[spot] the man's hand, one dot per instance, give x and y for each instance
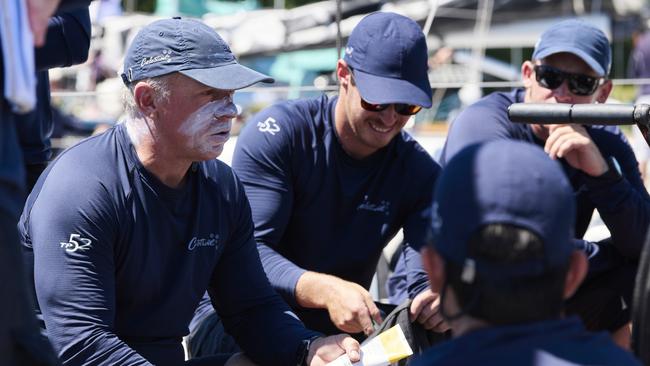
(321, 352)
(425, 307)
(328, 349)
(38, 13)
(573, 143)
(349, 305)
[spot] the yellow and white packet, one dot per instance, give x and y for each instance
(386, 348)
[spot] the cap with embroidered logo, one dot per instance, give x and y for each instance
(579, 38)
(503, 182)
(191, 48)
(388, 55)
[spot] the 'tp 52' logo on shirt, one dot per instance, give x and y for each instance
(76, 242)
(269, 125)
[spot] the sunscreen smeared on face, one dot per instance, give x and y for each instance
(208, 128)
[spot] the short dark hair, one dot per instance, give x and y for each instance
(513, 300)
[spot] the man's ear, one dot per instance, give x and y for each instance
(145, 98)
(604, 91)
(578, 266)
(528, 74)
(343, 73)
(435, 267)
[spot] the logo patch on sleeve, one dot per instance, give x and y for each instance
(76, 242)
(269, 125)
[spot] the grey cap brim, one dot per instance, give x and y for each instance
(227, 77)
(386, 90)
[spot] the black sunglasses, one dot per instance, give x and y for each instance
(403, 109)
(579, 84)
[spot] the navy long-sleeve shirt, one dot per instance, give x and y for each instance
(12, 173)
(317, 209)
(67, 43)
(546, 343)
(623, 204)
(121, 261)
(19, 342)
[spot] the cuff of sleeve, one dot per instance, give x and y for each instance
(303, 349)
(288, 284)
(607, 193)
(611, 176)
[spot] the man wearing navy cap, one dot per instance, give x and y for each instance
(570, 64)
(127, 230)
(504, 262)
(331, 180)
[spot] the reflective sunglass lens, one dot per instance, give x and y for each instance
(373, 107)
(407, 109)
(582, 85)
(548, 78)
(403, 109)
(579, 84)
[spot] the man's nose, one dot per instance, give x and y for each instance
(228, 111)
(562, 93)
(389, 115)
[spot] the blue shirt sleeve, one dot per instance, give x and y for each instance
(408, 278)
(477, 123)
(623, 204)
(252, 312)
(262, 159)
(416, 276)
(416, 231)
(68, 40)
(72, 229)
(66, 5)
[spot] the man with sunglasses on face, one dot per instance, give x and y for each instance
(570, 64)
(332, 179)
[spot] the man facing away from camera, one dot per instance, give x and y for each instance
(503, 260)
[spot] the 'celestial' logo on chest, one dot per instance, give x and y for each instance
(382, 206)
(211, 241)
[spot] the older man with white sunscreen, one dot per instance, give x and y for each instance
(127, 230)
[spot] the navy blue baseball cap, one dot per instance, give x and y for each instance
(191, 48)
(503, 182)
(579, 38)
(388, 55)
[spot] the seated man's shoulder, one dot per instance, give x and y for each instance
(218, 172)
(611, 141)
(607, 134)
(560, 342)
(496, 103)
(225, 183)
(292, 115)
(88, 169)
(83, 180)
(94, 157)
(417, 158)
